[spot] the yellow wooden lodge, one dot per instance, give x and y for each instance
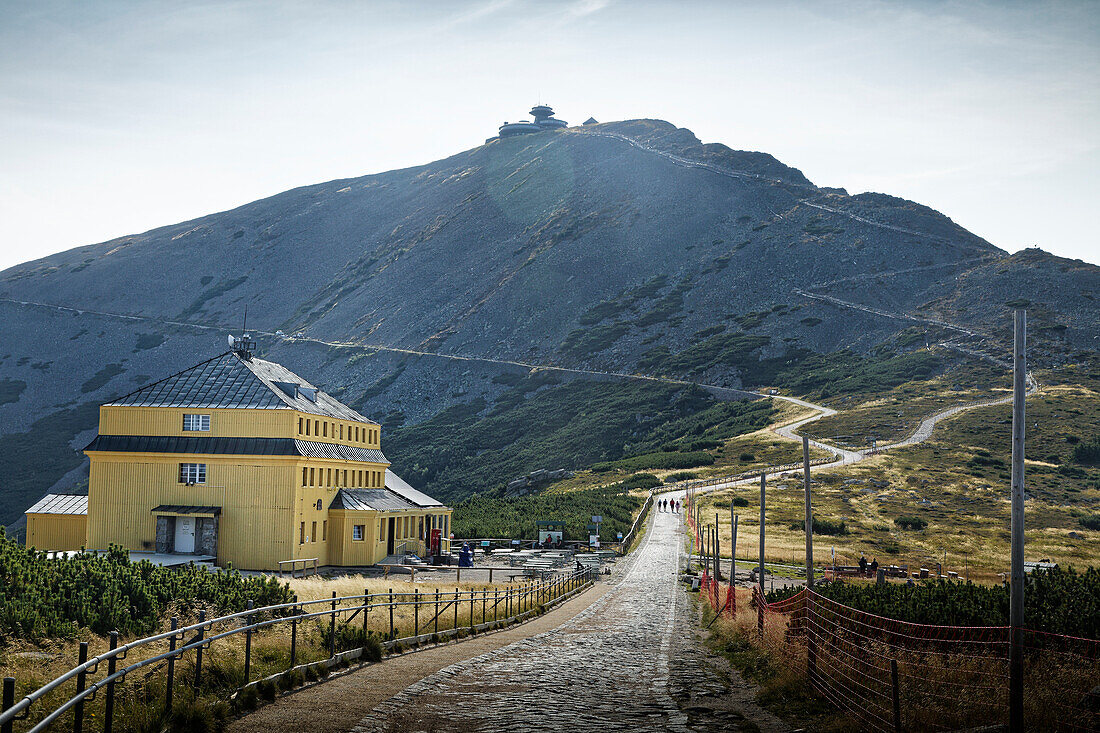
(241, 461)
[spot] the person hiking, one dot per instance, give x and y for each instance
(862, 565)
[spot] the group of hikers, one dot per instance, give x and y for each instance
(864, 566)
(668, 505)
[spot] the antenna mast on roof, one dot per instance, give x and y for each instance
(243, 346)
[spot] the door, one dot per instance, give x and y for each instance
(389, 536)
(185, 534)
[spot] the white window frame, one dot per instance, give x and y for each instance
(357, 532)
(196, 423)
(192, 473)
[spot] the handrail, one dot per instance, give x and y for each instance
(531, 592)
(629, 536)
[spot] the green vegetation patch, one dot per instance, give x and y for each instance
(539, 423)
(658, 460)
(584, 342)
(43, 598)
(148, 341)
(10, 390)
(492, 515)
(100, 378)
(1056, 601)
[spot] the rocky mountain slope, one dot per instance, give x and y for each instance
(624, 246)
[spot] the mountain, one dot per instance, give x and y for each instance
(626, 246)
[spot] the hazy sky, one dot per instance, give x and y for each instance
(117, 117)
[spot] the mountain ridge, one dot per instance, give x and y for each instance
(613, 247)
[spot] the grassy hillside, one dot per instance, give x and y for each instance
(541, 422)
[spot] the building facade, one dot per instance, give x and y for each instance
(240, 460)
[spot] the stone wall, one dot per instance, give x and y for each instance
(166, 533)
(206, 536)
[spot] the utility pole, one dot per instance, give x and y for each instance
(717, 551)
(763, 480)
(809, 514)
(733, 547)
(1016, 602)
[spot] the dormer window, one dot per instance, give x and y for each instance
(196, 422)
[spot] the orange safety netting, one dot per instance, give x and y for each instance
(893, 675)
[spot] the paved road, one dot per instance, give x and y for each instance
(629, 662)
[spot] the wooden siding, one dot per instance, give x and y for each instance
(57, 531)
(256, 499)
(234, 423)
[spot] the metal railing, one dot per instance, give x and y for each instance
(639, 521)
(493, 607)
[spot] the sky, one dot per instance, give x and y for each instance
(118, 117)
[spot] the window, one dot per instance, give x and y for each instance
(356, 438)
(381, 530)
(319, 505)
(313, 531)
(307, 427)
(357, 532)
(192, 473)
(196, 422)
(324, 429)
(311, 477)
(341, 431)
(329, 477)
(302, 534)
(305, 476)
(324, 530)
(345, 477)
(299, 426)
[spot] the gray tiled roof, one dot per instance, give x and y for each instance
(376, 499)
(207, 445)
(397, 485)
(229, 381)
(60, 504)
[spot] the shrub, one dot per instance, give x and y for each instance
(1087, 454)
(821, 526)
(911, 522)
(1090, 521)
(741, 501)
(746, 457)
(680, 476)
(641, 481)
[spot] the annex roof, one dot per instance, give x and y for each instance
(182, 509)
(230, 381)
(397, 485)
(376, 499)
(60, 504)
(206, 445)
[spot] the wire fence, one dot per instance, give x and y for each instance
(890, 675)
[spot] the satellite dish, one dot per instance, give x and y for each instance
(231, 340)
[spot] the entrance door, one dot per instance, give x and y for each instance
(185, 534)
(389, 536)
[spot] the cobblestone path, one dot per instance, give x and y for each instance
(629, 662)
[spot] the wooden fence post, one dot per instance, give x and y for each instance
(109, 703)
(198, 649)
(171, 667)
(81, 683)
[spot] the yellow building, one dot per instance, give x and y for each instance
(242, 461)
(58, 522)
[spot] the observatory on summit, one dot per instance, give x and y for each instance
(544, 120)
